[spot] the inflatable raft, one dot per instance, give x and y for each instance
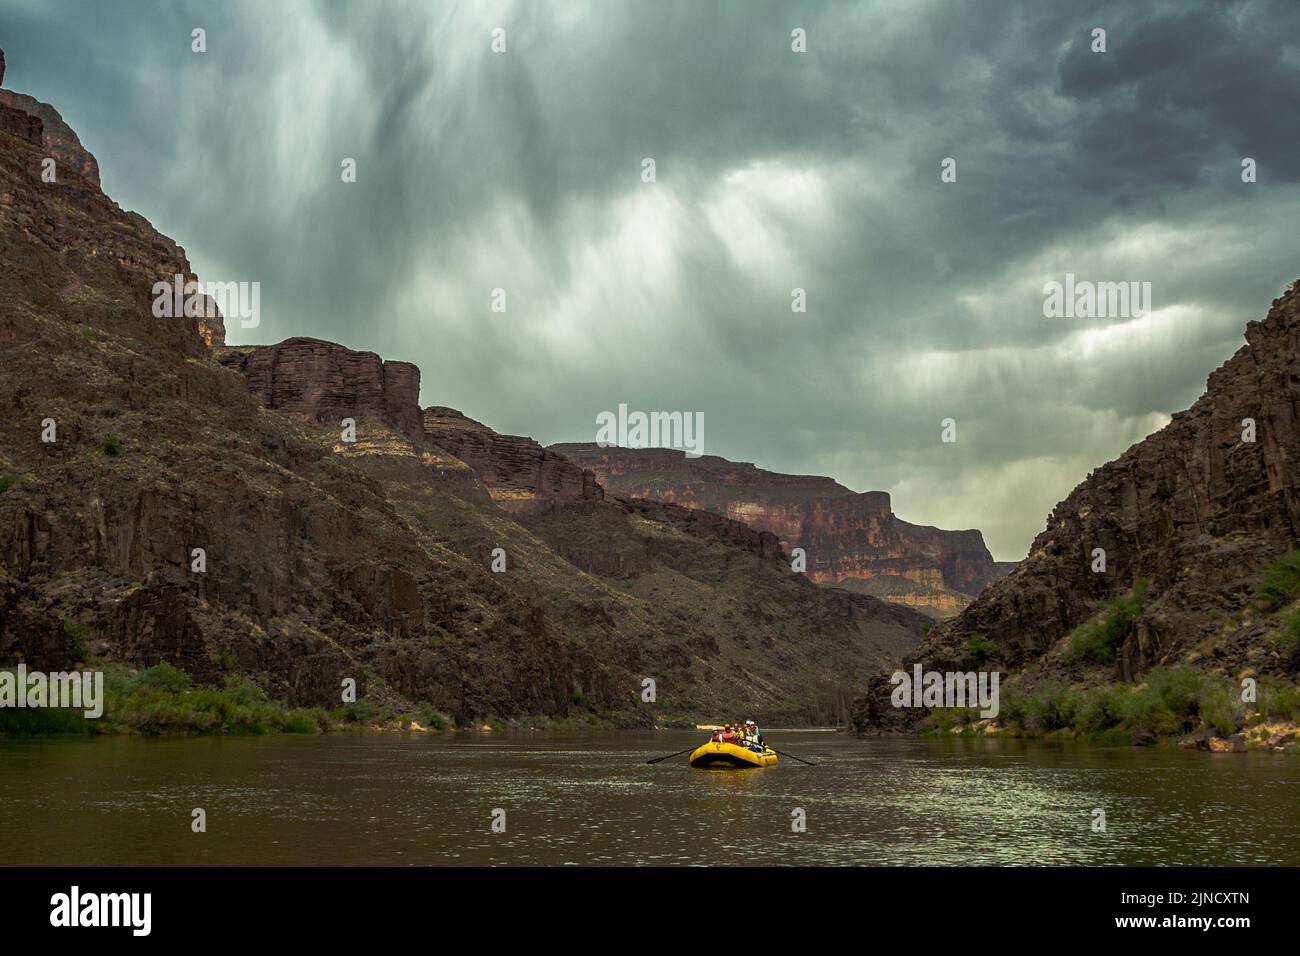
(731, 757)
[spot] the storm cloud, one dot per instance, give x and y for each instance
(776, 170)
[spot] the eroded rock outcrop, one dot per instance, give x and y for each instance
(21, 124)
(53, 133)
(1195, 511)
(324, 382)
(519, 473)
(851, 539)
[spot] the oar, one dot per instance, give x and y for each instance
(793, 757)
(678, 754)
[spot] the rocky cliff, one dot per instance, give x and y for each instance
(323, 382)
(520, 474)
(41, 124)
(853, 540)
(18, 123)
(57, 137)
(1188, 517)
(159, 504)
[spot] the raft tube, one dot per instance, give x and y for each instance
(731, 757)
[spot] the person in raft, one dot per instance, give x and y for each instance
(740, 733)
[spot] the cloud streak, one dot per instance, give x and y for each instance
(775, 170)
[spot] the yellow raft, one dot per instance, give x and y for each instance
(731, 757)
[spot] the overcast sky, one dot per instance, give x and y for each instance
(775, 170)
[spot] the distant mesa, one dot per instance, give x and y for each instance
(852, 540)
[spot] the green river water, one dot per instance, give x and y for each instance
(587, 798)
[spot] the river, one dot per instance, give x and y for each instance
(588, 798)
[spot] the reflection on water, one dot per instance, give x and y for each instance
(590, 799)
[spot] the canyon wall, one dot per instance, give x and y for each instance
(323, 382)
(519, 473)
(129, 441)
(1194, 512)
(852, 540)
(55, 135)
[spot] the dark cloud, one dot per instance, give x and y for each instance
(775, 171)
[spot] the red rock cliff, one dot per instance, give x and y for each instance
(519, 473)
(323, 382)
(56, 135)
(850, 539)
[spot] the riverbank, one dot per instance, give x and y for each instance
(163, 701)
(1172, 705)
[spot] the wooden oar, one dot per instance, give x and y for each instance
(678, 754)
(792, 756)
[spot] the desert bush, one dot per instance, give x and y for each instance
(1097, 639)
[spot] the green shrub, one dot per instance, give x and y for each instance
(944, 719)
(1170, 701)
(981, 648)
(1221, 707)
(430, 718)
(1098, 709)
(165, 677)
(32, 721)
(243, 692)
(1280, 583)
(6, 482)
(1049, 708)
(357, 712)
(237, 708)
(1279, 700)
(1288, 640)
(112, 445)
(160, 700)
(78, 631)
(1097, 639)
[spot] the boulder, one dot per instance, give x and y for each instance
(1142, 737)
(1236, 744)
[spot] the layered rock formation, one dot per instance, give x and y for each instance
(74, 217)
(1195, 511)
(371, 560)
(323, 382)
(56, 136)
(520, 474)
(853, 540)
(45, 127)
(18, 123)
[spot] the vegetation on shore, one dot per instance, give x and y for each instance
(1169, 702)
(163, 700)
